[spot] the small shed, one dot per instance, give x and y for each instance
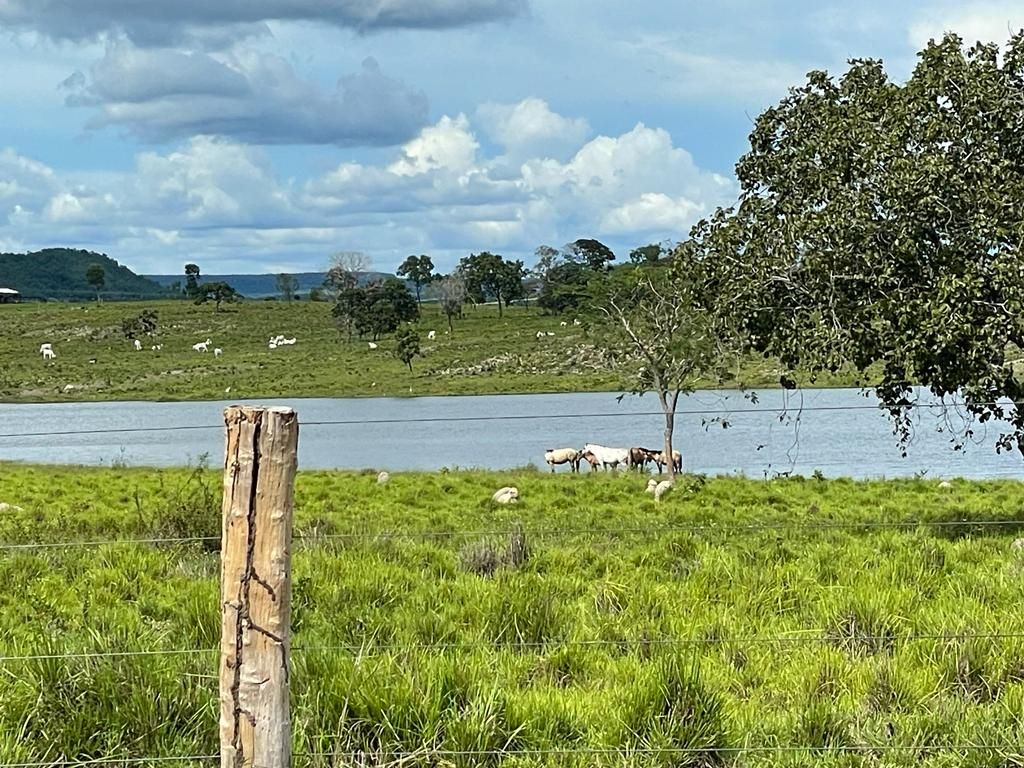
(9, 296)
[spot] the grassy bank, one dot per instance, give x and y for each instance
(485, 355)
(799, 622)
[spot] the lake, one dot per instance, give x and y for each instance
(838, 431)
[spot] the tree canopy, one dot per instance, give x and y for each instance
(407, 346)
(96, 277)
(880, 224)
(419, 270)
(219, 293)
(487, 275)
(378, 308)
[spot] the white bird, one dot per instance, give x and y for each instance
(372, 345)
(138, 345)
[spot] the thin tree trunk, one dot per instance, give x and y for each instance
(668, 406)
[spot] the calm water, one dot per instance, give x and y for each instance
(852, 441)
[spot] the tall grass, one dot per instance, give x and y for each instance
(585, 626)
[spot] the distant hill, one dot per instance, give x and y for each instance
(260, 286)
(59, 273)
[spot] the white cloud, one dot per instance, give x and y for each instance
(449, 145)
(224, 205)
(530, 128)
(988, 22)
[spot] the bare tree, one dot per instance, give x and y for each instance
(344, 271)
(652, 321)
(452, 294)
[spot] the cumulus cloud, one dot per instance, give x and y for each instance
(530, 128)
(219, 201)
(164, 94)
(149, 23)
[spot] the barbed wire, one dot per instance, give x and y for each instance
(811, 636)
(509, 417)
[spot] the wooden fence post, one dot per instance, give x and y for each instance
(259, 477)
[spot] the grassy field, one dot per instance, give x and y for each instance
(485, 355)
(586, 626)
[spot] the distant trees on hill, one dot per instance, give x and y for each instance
(61, 273)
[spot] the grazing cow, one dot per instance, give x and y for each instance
(563, 324)
(540, 334)
(432, 335)
(46, 350)
(652, 484)
(639, 457)
(551, 333)
(138, 345)
(383, 478)
(202, 346)
(609, 458)
(372, 345)
(569, 456)
(507, 495)
(217, 352)
(677, 461)
(576, 322)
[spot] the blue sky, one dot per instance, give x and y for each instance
(265, 135)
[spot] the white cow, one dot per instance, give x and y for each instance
(138, 345)
(202, 346)
(217, 352)
(568, 456)
(46, 350)
(372, 345)
(540, 334)
(432, 335)
(563, 323)
(605, 456)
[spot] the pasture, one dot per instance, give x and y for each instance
(738, 622)
(484, 355)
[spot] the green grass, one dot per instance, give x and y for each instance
(735, 614)
(485, 355)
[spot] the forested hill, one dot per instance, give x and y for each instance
(59, 273)
(258, 286)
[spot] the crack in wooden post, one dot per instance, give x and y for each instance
(259, 473)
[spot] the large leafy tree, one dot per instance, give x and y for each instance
(378, 308)
(880, 225)
(418, 269)
(592, 253)
(488, 275)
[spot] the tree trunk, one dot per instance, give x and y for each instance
(451, 328)
(668, 406)
(499, 305)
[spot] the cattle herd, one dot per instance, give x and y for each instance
(610, 458)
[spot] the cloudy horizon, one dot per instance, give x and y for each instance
(265, 135)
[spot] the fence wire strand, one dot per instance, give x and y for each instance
(724, 411)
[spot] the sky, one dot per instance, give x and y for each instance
(266, 135)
